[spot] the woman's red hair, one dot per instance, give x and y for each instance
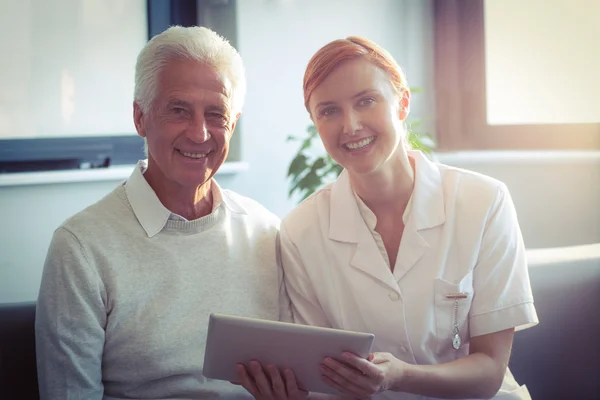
(334, 53)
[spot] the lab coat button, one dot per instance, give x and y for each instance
(393, 296)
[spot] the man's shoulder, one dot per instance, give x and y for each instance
(110, 208)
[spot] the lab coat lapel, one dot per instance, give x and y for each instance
(425, 211)
(355, 243)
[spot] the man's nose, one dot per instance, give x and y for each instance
(198, 131)
(352, 123)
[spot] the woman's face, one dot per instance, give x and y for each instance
(359, 116)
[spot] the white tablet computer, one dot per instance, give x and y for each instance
(232, 340)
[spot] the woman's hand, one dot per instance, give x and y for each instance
(268, 383)
(360, 378)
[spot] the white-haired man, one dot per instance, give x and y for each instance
(129, 282)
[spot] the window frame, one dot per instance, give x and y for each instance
(91, 151)
(460, 92)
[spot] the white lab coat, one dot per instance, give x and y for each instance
(461, 235)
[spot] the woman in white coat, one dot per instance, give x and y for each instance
(427, 257)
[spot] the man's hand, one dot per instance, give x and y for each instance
(360, 378)
(268, 383)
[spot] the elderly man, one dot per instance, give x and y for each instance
(129, 282)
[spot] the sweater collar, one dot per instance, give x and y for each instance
(150, 212)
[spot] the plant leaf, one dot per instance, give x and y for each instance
(298, 165)
(310, 181)
(319, 163)
(306, 144)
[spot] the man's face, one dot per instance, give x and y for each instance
(189, 125)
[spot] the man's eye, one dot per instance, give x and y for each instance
(215, 116)
(178, 110)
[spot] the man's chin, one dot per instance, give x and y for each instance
(196, 178)
(197, 173)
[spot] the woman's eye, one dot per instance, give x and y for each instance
(326, 112)
(366, 101)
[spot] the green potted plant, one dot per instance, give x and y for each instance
(312, 167)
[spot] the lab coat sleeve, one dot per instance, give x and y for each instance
(285, 306)
(502, 292)
(69, 323)
(304, 302)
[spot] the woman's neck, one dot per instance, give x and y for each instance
(387, 189)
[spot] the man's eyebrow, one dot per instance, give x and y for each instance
(179, 102)
(222, 109)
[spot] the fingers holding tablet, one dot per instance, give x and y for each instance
(269, 383)
(359, 377)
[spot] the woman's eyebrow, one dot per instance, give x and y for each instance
(362, 92)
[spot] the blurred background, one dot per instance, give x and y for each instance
(507, 88)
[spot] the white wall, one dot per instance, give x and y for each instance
(556, 194)
(29, 215)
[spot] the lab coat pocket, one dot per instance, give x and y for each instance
(452, 306)
(520, 393)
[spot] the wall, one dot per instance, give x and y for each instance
(29, 215)
(556, 194)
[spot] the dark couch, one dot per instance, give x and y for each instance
(18, 375)
(558, 359)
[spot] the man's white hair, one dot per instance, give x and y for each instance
(189, 43)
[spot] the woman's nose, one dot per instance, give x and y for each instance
(352, 123)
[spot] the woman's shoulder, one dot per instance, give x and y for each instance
(307, 214)
(470, 185)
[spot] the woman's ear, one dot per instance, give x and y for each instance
(404, 104)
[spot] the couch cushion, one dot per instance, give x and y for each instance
(560, 357)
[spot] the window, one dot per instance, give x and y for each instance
(68, 85)
(517, 75)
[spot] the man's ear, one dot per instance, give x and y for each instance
(138, 116)
(234, 122)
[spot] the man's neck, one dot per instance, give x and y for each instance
(189, 202)
(192, 204)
